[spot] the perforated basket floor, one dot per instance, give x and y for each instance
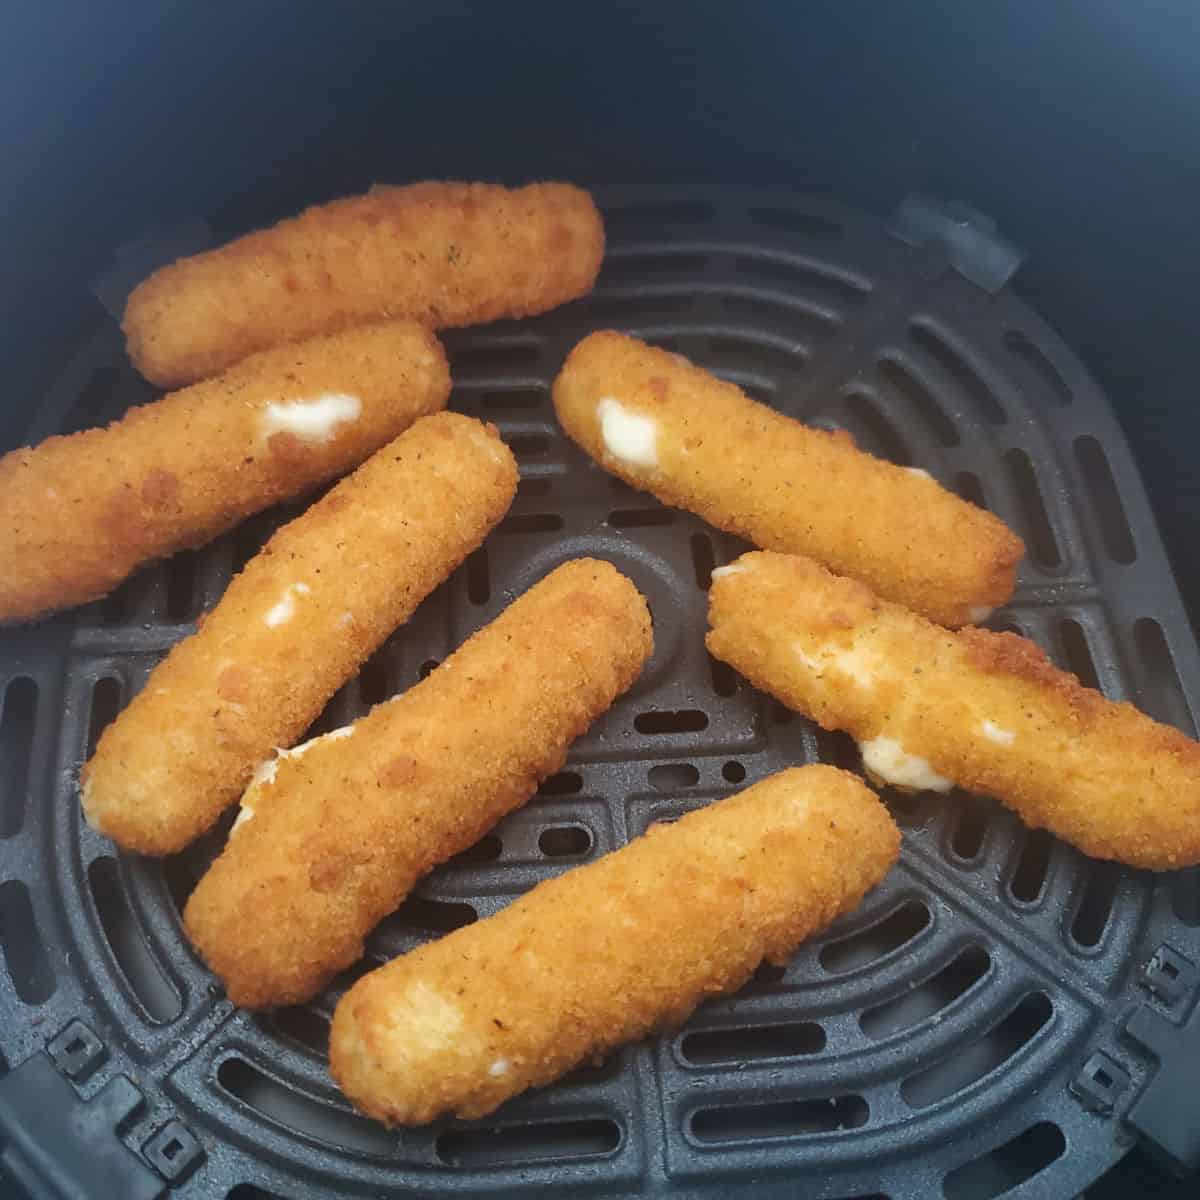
(926, 1046)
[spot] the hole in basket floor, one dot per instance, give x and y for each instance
(885, 437)
(565, 783)
(687, 720)
(1096, 905)
(670, 777)
(954, 362)
(528, 1143)
(1031, 354)
(1032, 867)
(1008, 1166)
(565, 841)
(886, 936)
(16, 740)
(789, 1118)
(969, 1063)
(24, 951)
(1039, 534)
(749, 1043)
(955, 979)
(106, 703)
(1106, 499)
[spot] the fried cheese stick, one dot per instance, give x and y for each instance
(610, 951)
(292, 628)
(83, 512)
(696, 442)
(984, 711)
(332, 841)
(444, 254)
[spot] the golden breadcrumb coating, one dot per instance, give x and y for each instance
(698, 443)
(610, 951)
(332, 841)
(81, 513)
(301, 618)
(444, 254)
(986, 711)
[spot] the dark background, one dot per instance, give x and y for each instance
(1074, 124)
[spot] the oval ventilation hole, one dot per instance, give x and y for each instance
(833, 291)
(636, 518)
(1096, 903)
(733, 772)
(656, 214)
(106, 703)
(1016, 1162)
(119, 603)
(533, 523)
(970, 488)
(128, 941)
(1039, 534)
(285, 1105)
(182, 599)
(637, 268)
(671, 777)
(885, 937)
(565, 783)
(767, 976)
(529, 445)
(534, 1142)
(922, 401)
(955, 979)
(751, 1043)
(99, 402)
(250, 1191)
(427, 668)
(788, 1118)
(684, 720)
(886, 437)
(512, 399)
(303, 1026)
(24, 951)
(1106, 500)
(1162, 694)
(909, 811)
(970, 826)
(703, 559)
(479, 577)
(969, 1063)
(529, 489)
(435, 916)
(1031, 355)
(632, 308)
(744, 351)
(788, 319)
(565, 841)
(780, 713)
(486, 850)
(954, 362)
(1185, 895)
(724, 677)
(17, 719)
(500, 358)
(838, 749)
(1077, 653)
(1032, 867)
(794, 221)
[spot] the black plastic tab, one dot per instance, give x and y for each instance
(969, 239)
(1101, 1083)
(77, 1051)
(174, 1151)
(1169, 975)
(1164, 1114)
(59, 1146)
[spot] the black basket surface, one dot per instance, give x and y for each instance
(1000, 1017)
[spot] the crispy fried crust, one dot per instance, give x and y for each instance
(444, 254)
(224, 698)
(784, 486)
(985, 710)
(80, 513)
(340, 835)
(610, 951)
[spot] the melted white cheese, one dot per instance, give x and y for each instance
(855, 664)
(628, 436)
(282, 612)
(498, 1068)
(265, 772)
(978, 613)
(314, 420)
(918, 471)
(887, 759)
(994, 733)
(731, 569)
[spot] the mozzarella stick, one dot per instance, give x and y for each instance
(610, 951)
(292, 628)
(329, 842)
(984, 711)
(444, 254)
(83, 512)
(698, 443)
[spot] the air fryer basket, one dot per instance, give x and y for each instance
(1002, 1013)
